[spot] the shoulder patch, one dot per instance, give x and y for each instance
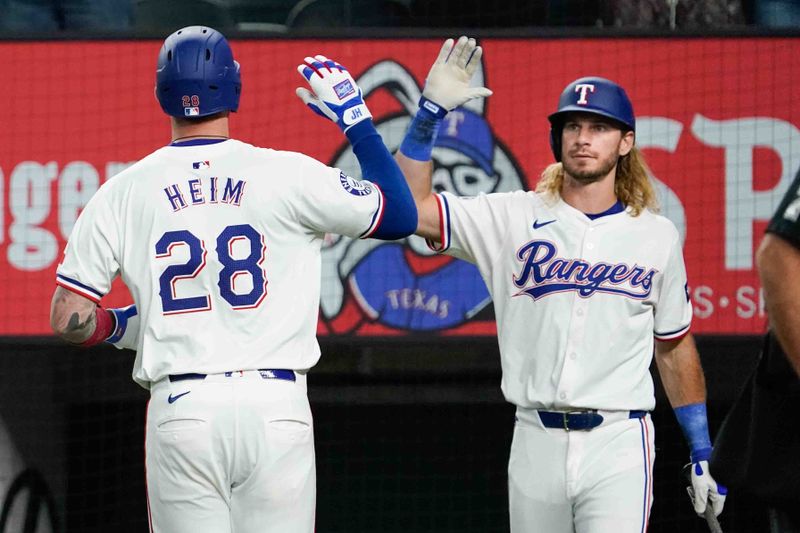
(354, 186)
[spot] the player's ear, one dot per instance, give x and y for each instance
(626, 143)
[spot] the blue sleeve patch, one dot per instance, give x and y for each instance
(354, 186)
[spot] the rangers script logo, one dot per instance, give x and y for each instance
(551, 274)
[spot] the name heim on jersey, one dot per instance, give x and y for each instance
(200, 191)
(543, 274)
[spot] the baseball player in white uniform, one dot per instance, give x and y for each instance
(219, 243)
(586, 280)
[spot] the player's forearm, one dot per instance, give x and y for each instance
(682, 375)
(681, 372)
(418, 176)
(778, 266)
(72, 316)
(414, 159)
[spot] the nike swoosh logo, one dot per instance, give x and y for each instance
(537, 224)
(173, 399)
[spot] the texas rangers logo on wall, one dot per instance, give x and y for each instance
(403, 285)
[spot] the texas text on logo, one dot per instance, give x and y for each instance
(550, 274)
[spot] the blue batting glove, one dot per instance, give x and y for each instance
(335, 94)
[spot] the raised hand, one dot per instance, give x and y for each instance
(335, 94)
(447, 84)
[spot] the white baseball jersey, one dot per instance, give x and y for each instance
(219, 245)
(577, 301)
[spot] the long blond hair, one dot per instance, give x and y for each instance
(632, 184)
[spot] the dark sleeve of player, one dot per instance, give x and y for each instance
(786, 221)
(378, 166)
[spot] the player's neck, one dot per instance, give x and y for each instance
(594, 197)
(216, 128)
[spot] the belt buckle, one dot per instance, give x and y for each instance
(565, 418)
(566, 414)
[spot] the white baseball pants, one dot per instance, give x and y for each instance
(230, 454)
(595, 481)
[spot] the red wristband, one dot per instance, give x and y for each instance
(104, 325)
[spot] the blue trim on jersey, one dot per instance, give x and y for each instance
(443, 208)
(447, 218)
(378, 166)
(618, 207)
(80, 285)
(376, 217)
(377, 211)
(673, 332)
(196, 142)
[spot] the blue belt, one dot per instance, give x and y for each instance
(577, 420)
(266, 373)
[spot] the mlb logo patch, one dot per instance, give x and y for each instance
(191, 111)
(200, 165)
(343, 89)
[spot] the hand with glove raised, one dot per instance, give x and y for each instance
(446, 87)
(448, 83)
(335, 94)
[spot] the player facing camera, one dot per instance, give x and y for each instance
(561, 280)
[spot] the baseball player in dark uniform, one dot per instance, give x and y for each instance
(757, 450)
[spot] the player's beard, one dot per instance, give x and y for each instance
(586, 176)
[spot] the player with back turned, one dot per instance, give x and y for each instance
(219, 243)
(587, 282)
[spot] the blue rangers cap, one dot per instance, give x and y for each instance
(591, 95)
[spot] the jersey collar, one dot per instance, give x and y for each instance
(196, 142)
(618, 207)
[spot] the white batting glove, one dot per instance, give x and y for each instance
(447, 84)
(705, 490)
(335, 94)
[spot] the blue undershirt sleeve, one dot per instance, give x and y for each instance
(379, 167)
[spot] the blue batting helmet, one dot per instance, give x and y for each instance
(196, 74)
(591, 95)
